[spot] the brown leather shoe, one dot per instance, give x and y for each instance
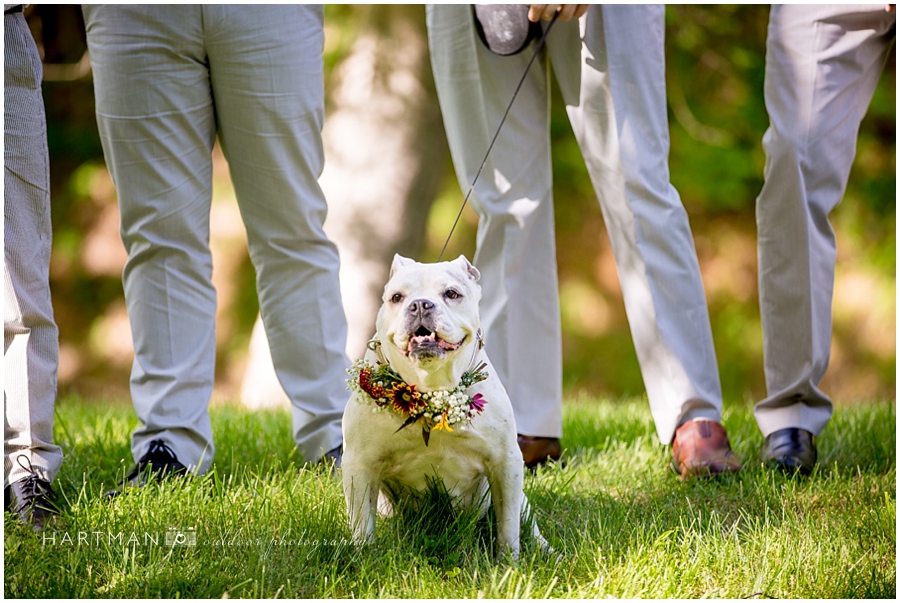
(536, 451)
(700, 449)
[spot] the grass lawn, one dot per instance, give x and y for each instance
(625, 526)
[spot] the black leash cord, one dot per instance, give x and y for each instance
(497, 133)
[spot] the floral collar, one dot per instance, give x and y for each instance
(440, 409)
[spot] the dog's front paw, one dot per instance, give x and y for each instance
(507, 555)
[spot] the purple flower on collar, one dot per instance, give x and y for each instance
(477, 403)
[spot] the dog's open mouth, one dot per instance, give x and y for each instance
(424, 341)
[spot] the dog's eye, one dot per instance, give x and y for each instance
(396, 298)
(452, 294)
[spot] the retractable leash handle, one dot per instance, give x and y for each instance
(537, 51)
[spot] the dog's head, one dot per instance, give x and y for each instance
(429, 320)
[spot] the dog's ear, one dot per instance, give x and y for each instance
(400, 261)
(468, 267)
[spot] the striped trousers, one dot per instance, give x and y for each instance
(30, 336)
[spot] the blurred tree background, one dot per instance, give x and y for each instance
(715, 66)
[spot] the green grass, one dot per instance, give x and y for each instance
(265, 526)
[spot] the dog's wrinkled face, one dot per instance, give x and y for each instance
(430, 311)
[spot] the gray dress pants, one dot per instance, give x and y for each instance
(822, 65)
(168, 79)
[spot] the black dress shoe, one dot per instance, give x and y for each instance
(30, 498)
(505, 28)
(157, 463)
(791, 450)
(333, 458)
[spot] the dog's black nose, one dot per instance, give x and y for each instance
(420, 307)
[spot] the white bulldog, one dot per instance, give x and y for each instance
(427, 404)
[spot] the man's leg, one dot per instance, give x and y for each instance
(619, 117)
(266, 67)
(516, 251)
(157, 125)
(822, 67)
(617, 104)
(30, 335)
